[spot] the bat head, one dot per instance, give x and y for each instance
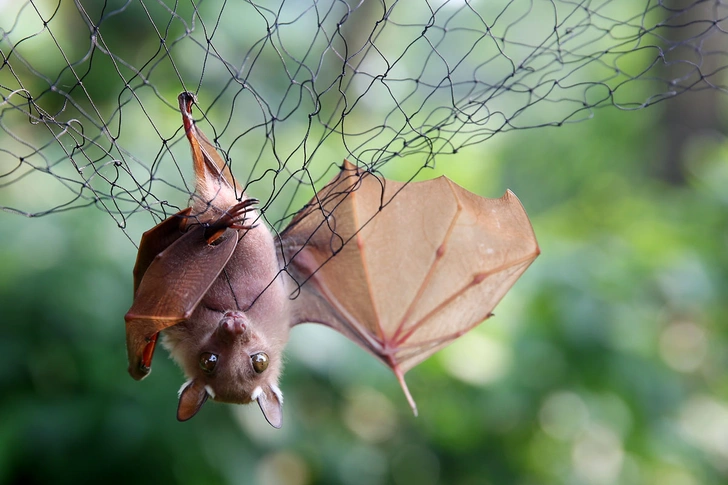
(233, 362)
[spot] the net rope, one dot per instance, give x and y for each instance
(288, 89)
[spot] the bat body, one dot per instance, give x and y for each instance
(400, 269)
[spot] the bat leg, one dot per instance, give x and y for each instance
(232, 218)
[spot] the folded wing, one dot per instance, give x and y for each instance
(169, 287)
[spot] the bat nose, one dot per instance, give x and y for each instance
(234, 326)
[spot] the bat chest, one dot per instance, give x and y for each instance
(250, 281)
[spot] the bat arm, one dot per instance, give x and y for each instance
(324, 313)
(316, 305)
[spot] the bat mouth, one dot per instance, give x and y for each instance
(234, 325)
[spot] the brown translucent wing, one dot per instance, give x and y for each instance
(170, 290)
(418, 269)
(156, 240)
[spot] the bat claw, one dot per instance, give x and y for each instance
(233, 218)
(245, 227)
(139, 372)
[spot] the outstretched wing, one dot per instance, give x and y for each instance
(404, 269)
(171, 288)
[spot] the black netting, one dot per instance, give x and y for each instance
(288, 89)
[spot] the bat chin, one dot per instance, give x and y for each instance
(236, 398)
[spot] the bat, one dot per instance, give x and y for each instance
(401, 269)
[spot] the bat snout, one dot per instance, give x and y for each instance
(234, 325)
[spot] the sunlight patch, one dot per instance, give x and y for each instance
(477, 359)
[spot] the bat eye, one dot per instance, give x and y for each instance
(260, 361)
(208, 361)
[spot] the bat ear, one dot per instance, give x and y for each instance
(270, 400)
(191, 398)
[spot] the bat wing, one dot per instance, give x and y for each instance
(156, 240)
(404, 276)
(171, 287)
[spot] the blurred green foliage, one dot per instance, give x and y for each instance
(610, 353)
(607, 363)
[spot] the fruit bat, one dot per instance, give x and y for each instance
(400, 269)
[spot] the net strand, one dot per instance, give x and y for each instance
(291, 89)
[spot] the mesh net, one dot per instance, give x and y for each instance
(288, 89)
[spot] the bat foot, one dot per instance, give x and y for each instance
(233, 218)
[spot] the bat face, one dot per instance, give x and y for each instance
(231, 345)
(229, 358)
